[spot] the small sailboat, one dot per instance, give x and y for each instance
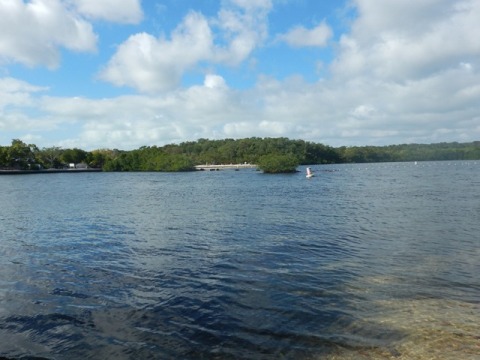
(309, 173)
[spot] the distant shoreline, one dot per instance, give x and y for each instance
(225, 166)
(47, 171)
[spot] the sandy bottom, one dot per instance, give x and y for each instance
(433, 329)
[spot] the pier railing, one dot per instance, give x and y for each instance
(225, 166)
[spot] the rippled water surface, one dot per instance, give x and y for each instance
(362, 261)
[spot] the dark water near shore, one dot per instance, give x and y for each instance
(362, 261)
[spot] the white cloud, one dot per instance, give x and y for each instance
(357, 112)
(128, 121)
(253, 5)
(150, 64)
(406, 39)
(214, 81)
(363, 111)
(17, 121)
(10, 85)
(16, 97)
(31, 33)
(122, 11)
(243, 27)
(300, 36)
(156, 64)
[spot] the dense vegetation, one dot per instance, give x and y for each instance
(411, 152)
(22, 156)
(274, 164)
(286, 154)
(270, 154)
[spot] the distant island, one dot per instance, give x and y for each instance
(272, 155)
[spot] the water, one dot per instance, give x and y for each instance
(362, 261)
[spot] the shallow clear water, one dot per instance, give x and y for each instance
(361, 261)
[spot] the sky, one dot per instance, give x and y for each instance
(121, 74)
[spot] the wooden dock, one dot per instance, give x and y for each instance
(209, 167)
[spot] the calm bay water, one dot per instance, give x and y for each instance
(361, 261)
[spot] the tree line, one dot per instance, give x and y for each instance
(268, 153)
(22, 156)
(184, 156)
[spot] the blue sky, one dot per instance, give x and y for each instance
(127, 73)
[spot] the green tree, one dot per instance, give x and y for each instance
(277, 163)
(171, 163)
(98, 158)
(74, 156)
(20, 155)
(50, 157)
(3, 157)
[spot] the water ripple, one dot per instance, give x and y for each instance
(375, 261)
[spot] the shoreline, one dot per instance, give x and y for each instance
(225, 166)
(46, 171)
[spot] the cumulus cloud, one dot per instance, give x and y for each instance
(15, 94)
(121, 11)
(134, 120)
(214, 81)
(10, 85)
(155, 64)
(31, 33)
(152, 64)
(243, 27)
(408, 71)
(19, 100)
(357, 112)
(407, 39)
(300, 36)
